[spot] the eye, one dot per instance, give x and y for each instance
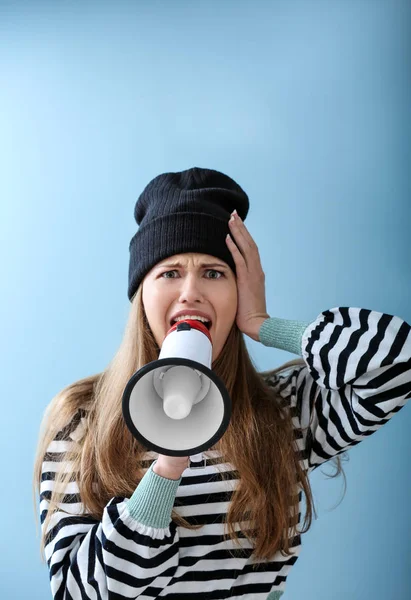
(214, 271)
(165, 273)
(207, 271)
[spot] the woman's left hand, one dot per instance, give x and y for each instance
(251, 308)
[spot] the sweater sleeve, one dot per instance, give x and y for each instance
(357, 375)
(134, 547)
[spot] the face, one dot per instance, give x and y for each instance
(201, 282)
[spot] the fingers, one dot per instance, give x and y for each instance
(245, 242)
(239, 230)
(238, 257)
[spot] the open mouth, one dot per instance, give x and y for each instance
(208, 324)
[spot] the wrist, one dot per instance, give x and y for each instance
(167, 471)
(255, 335)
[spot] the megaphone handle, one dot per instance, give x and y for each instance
(196, 457)
(199, 460)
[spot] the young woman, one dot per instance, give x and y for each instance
(119, 521)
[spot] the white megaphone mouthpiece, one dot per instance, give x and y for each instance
(180, 387)
(176, 405)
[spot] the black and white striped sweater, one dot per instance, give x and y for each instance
(357, 374)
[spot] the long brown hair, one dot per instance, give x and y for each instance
(110, 458)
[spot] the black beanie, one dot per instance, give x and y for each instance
(187, 211)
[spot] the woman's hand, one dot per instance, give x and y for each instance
(251, 309)
(171, 467)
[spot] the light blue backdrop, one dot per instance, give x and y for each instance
(307, 105)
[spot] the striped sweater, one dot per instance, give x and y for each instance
(357, 374)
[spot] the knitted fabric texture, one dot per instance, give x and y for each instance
(185, 211)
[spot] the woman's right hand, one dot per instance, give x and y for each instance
(171, 467)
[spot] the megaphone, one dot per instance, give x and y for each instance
(176, 405)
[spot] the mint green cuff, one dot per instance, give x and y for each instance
(153, 499)
(283, 334)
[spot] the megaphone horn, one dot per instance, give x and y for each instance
(176, 405)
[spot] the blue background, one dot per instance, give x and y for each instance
(307, 105)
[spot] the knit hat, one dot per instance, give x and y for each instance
(186, 211)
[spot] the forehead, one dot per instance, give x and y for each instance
(191, 258)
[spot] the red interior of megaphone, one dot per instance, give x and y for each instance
(194, 324)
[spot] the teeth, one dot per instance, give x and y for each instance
(191, 317)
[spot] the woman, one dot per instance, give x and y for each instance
(121, 522)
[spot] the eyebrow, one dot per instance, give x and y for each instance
(202, 266)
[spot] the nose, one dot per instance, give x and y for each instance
(190, 289)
